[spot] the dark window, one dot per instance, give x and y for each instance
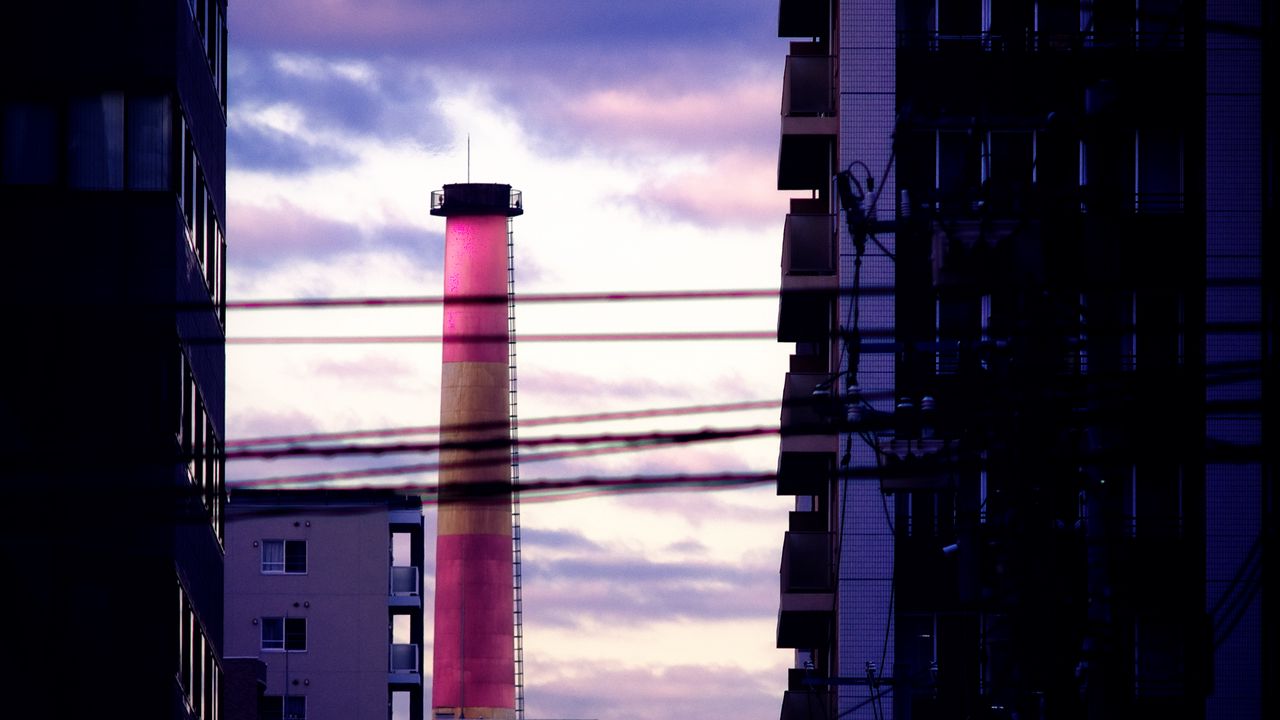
(284, 634)
(284, 556)
(275, 707)
(1011, 22)
(184, 630)
(959, 21)
(149, 142)
(30, 151)
(1109, 170)
(1159, 165)
(957, 175)
(95, 142)
(199, 213)
(1008, 169)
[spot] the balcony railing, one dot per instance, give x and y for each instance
(806, 602)
(808, 86)
(806, 153)
(808, 245)
(803, 18)
(804, 473)
(1154, 203)
(404, 581)
(808, 277)
(405, 658)
(806, 562)
(1140, 203)
(808, 406)
(477, 199)
(1030, 40)
(814, 704)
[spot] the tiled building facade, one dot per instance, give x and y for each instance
(1026, 423)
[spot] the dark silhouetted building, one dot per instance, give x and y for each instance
(326, 588)
(112, 175)
(1029, 423)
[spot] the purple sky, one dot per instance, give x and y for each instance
(644, 137)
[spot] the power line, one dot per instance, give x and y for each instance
(436, 466)
(530, 422)
(951, 340)
(1223, 453)
(704, 335)
(416, 300)
(572, 488)
(391, 301)
(704, 435)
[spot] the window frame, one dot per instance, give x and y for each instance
(268, 713)
(284, 564)
(283, 622)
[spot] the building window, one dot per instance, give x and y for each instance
(1008, 169)
(184, 635)
(284, 556)
(30, 150)
(150, 137)
(95, 142)
(275, 707)
(284, 634)
(1158, 171)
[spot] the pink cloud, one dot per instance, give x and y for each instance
(260, 235)
(578, 385)
(697, 687)
(707, 506)
(255, 423)
(733, 115)
(737, 189)
(369, 371)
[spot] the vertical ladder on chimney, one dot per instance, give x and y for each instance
(518, 602)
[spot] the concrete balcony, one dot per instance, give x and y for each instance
(805, 473)
(806, 705)
(808, 84)
(404, 519)
(807, 521)
(805, 609)
(805, 424)
(809, 280)
(803, 18)
(806, 562)
(809, 126)
(808, 405)
(404, 664)
(406, 587)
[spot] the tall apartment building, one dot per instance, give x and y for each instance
(112, 155)
(1029, 422)
(325, 587)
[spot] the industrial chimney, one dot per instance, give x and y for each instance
(473, 672)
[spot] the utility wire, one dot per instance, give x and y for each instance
(523, 298)
(437, 466)
(393, 301)
(1095, 330)
(687, 436)
(703, 335)
(574, 487)
(529, 422)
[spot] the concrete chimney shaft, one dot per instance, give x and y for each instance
(474, 663)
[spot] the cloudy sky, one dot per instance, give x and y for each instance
(644, 138)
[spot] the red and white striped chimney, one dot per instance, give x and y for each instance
(473, 671)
